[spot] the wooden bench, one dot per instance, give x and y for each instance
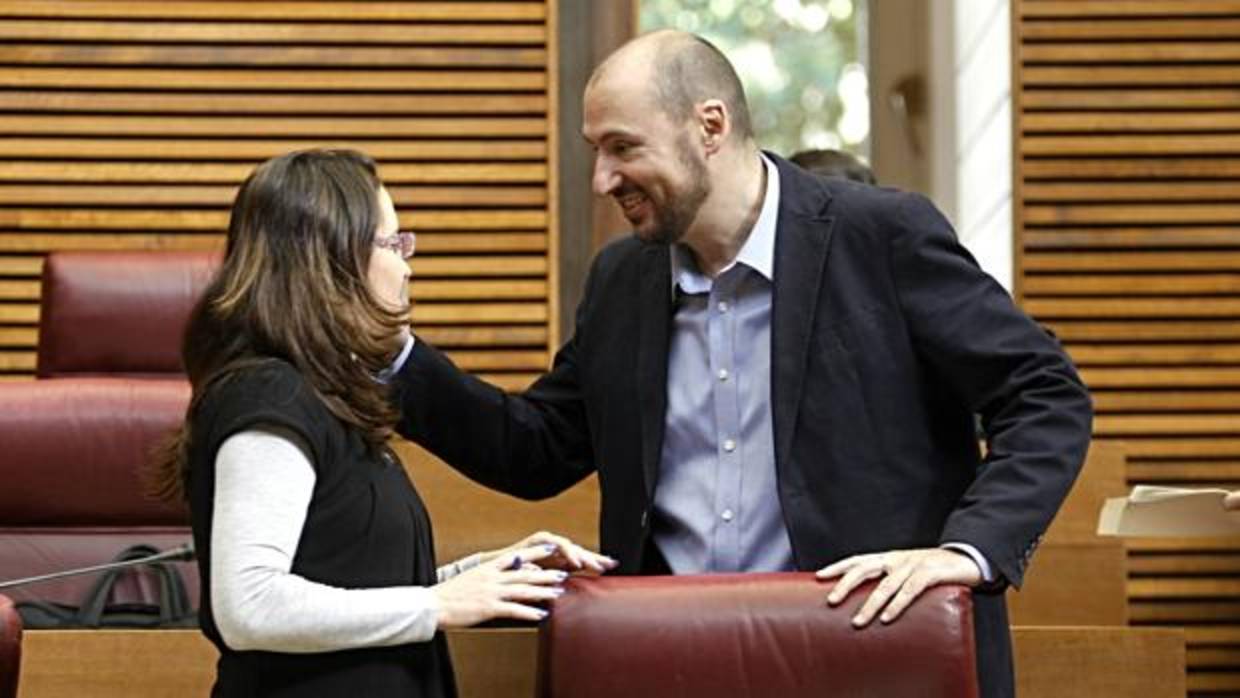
(500, 663)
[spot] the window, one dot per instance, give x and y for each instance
(801, 61)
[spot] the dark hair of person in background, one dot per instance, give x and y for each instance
(835, 163)
(293, 286)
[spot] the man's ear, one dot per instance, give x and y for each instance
(714, 124)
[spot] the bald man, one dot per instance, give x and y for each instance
(776, 371)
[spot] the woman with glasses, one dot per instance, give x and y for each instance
(314, 549)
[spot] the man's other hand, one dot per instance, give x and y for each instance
(905, 575)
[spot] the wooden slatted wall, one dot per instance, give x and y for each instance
(1128, 246)
(128, 125)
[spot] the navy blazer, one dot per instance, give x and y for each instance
(886, 339)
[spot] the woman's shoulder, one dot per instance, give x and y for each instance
(268, 390)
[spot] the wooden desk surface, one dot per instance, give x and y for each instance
(1083, 662)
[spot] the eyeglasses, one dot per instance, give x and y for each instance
(402, 243)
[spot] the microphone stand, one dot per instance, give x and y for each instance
(181, 553)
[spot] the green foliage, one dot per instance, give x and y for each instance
(792, 56)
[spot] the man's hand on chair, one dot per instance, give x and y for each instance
(905, 575)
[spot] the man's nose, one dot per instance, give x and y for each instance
(605, 179)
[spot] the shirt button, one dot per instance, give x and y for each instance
(723, 374)
(723, 306)
(729, 445)
(726, 515)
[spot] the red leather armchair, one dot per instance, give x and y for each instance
(118, 313)
(755, 635)
(10, 648)
(110, 387)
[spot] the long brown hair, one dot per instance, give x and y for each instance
(293, 286)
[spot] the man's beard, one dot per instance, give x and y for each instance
(673, 220)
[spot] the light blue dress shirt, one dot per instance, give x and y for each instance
(716, 505)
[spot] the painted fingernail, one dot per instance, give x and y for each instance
(550, 547)
(543, 614)
(561, 575)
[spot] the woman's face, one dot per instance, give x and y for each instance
(388, 274)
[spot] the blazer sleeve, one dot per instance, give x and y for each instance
(532, 445)
(1035, 410)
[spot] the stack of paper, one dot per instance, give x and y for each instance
(1168, 511)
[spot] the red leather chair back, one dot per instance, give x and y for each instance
(118, 313)
(10, 648)
(71, 493)
(755, 635)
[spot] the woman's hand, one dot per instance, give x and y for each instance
(565, 555)
(497, 588)
(1232, 501)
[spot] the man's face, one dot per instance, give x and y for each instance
(644, 161)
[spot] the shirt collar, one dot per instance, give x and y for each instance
(758, 252)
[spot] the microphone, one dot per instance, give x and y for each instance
(181, 553)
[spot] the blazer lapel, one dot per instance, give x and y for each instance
(802, 239)
(654, 317)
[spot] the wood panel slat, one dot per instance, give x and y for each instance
(1124, 98)
(247, 80)
(1150, 330)
(1134, 307)
(1134, 238)
(1137, 260)
(1069, 28)
(1130, 122)
(1178, 400)
(255, 150)
(222, 30)
(1156, 355)
(1132, 284)
(1131, 191)
(121, 102)
(207, 220)
(1221, 473)
(1127, 8)
(1130, 168)
(1120, 426)
(273, 127)
(1132, 52)
(1132, 213)
(1146, 75)
(476, 335)
(216, 9)
(232, 173)
(1141, 145)
(1169, 377)
(222, 195)
(255, 56)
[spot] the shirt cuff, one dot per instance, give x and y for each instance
(398, 363)
(983, 565)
